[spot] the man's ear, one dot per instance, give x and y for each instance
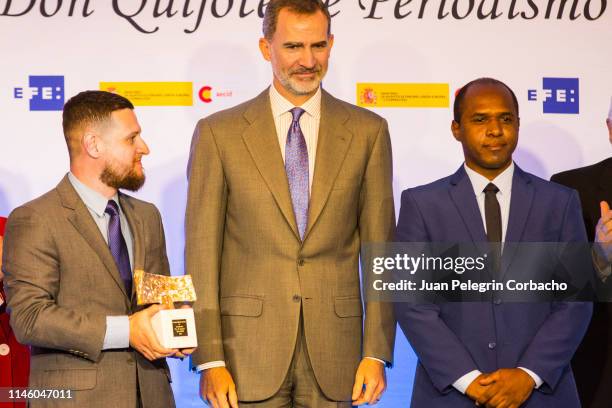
(330, 41)
(456, 131)
(264, 47)
(91, 144)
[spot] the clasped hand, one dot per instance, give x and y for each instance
(504, 388)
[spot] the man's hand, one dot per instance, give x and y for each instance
(476, 391)
(603, 234)
(217, 388)
(370, 382)
(142, 336)
(506, 388)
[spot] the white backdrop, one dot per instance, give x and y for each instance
(222, 53)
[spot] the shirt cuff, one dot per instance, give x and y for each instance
(383, 362)
(464, 382)
(208, 365)
(117, 334)
(536, 378)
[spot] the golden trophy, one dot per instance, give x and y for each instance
(174, 328)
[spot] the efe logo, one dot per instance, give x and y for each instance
(45, 92)
(561, 95)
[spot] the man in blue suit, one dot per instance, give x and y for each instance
(494, 354)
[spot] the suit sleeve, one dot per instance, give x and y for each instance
(552, 348)
(377, 224)
(204, 229)
(439, 350)
(32, 267)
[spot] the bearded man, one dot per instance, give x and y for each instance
(68, 261)
(283, 190)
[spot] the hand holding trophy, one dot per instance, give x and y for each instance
(174, 328)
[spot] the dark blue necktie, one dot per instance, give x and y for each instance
(117, 246)
(296, 166)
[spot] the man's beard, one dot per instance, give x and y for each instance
(300, 88)
(131, 181)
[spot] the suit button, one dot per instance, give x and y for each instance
(4, 349)
(498, 301)
(297, 298)
(492, 345)
(300, 262)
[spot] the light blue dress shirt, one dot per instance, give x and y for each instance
(117, 327)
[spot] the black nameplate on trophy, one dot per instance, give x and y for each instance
(179, 327)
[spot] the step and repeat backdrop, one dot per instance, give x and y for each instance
(181, 60)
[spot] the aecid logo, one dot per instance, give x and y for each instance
(206, 94)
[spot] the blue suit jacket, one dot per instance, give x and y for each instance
(452, 339)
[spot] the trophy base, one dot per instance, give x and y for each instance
(175, 328)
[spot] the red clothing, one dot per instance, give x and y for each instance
(15, 365)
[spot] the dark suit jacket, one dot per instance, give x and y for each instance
(592, 363)
(62, 282)
(452, 339)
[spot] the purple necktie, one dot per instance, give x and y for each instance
(296, 166)
(117, 246)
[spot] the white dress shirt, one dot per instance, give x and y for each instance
(309, 123)
(504, 183)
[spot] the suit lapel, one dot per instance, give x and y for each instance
(82, 221)
(137, 229)
(332, 145)
(262, 143)
(520, 205)
(464, 198)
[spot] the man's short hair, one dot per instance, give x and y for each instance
(296, 6)
(89, 108)
(458, 106)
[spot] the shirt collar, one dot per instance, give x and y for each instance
(281, 105)
(95, 201)
(503, 181)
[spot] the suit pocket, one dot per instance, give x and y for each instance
(76, 379)
(348, 306)
(250, 306)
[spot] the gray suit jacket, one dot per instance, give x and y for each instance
(251, 270)
(62, 282)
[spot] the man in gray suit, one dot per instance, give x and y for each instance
(283, 190)
(68, 261)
